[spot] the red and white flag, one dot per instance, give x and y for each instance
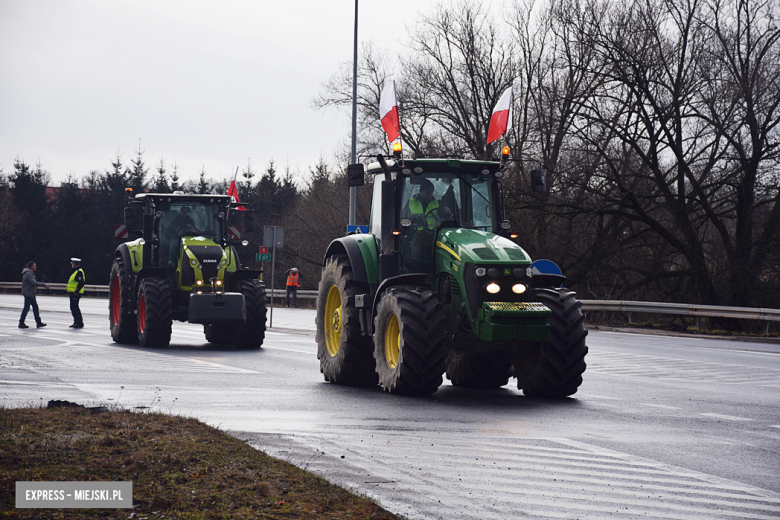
(501, 120)
(233, 191)
(388, 111)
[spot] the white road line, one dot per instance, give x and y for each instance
(660, 406)
(289, 350)
(725, 417)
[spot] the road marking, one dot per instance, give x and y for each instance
(561, 478)
(660, 406)
(679, 338)
(34, 383)
(290, 350)
(725, 417)
(600, 397)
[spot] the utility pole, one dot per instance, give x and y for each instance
(353, 158)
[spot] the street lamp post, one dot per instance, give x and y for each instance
(353, 158)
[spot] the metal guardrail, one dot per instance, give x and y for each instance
(678, 309)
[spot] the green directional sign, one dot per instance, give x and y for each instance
(263, 257)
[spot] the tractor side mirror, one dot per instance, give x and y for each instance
(129, 218)
(537, 181)
(249, 220)
(356, 175)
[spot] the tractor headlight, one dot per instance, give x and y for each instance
(199, 282)
(519, 288)
(493, 288)
(219, 282)
(224, 262)
(194, 262)
(480, 271)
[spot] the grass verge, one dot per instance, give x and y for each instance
(180, 468)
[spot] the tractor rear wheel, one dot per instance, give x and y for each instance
(409, 346)
(217, 334)
(155, 314)
(471, 369)
(120, 313)
(554, 368)
(344, 353)
(250, 334)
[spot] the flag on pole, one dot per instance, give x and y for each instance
(388, 111)
(233, 191)
(501, 120)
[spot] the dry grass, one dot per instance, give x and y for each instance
(180, 468)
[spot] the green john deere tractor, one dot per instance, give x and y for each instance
(437, 286)
(183, 266)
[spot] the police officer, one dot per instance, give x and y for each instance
(75, 289)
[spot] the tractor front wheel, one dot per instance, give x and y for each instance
(409, 346)
(250, 334)
(154, 313)
(344, 353)
(554, 368)
(120, 312)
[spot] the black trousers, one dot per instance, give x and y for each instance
(74, 308)
(291, 289)
(30, 301)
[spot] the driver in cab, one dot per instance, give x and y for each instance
(180, 226)
(428, 207)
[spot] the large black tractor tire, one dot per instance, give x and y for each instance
(250, 334)
(219, 334)
(124, 328)
(155, 313)
(491, 369)
(345, 354)
(409, 341)
(554, 368)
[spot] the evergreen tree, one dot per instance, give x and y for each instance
(161, 181)
(137, 173)
(204, 186)
(175, 178)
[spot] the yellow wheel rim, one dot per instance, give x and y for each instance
(392, 341)
(333, 324)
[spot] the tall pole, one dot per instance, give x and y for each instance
(353, 158)
(273, 269)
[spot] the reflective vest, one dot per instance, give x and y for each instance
(415, 207)
(292, 279)
(73, 285)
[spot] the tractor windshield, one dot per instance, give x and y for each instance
(431, 199)
(186, 218)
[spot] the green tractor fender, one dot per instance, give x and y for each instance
(361, 249)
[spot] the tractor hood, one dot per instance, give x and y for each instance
(481, 247)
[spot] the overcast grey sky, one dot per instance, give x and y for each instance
(201, 83)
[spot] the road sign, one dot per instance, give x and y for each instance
(263, 250)
(273, 236)
(262, 257)
(351, 228)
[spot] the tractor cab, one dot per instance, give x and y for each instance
(431, 195)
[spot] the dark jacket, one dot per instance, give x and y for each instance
(29, 283)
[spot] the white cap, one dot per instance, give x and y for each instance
(76, 260)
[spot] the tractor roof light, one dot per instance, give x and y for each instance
(514, 235)
(493, 288)
(505, 152)
(396, 232)
(519, 288)
(406, 222)
(397, 149)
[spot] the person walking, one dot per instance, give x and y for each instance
(75, 289)
(292, 286)
(29, 286)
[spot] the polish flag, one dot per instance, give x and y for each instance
(501, 120)
(233, 191)
(388, 111)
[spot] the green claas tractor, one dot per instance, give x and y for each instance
(183, 266)
(437, 286)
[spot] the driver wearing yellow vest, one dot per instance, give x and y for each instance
(426, 204)
(75, 289)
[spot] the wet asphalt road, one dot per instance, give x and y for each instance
(663, 427)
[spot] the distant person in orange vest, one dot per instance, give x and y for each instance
(292, 286)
